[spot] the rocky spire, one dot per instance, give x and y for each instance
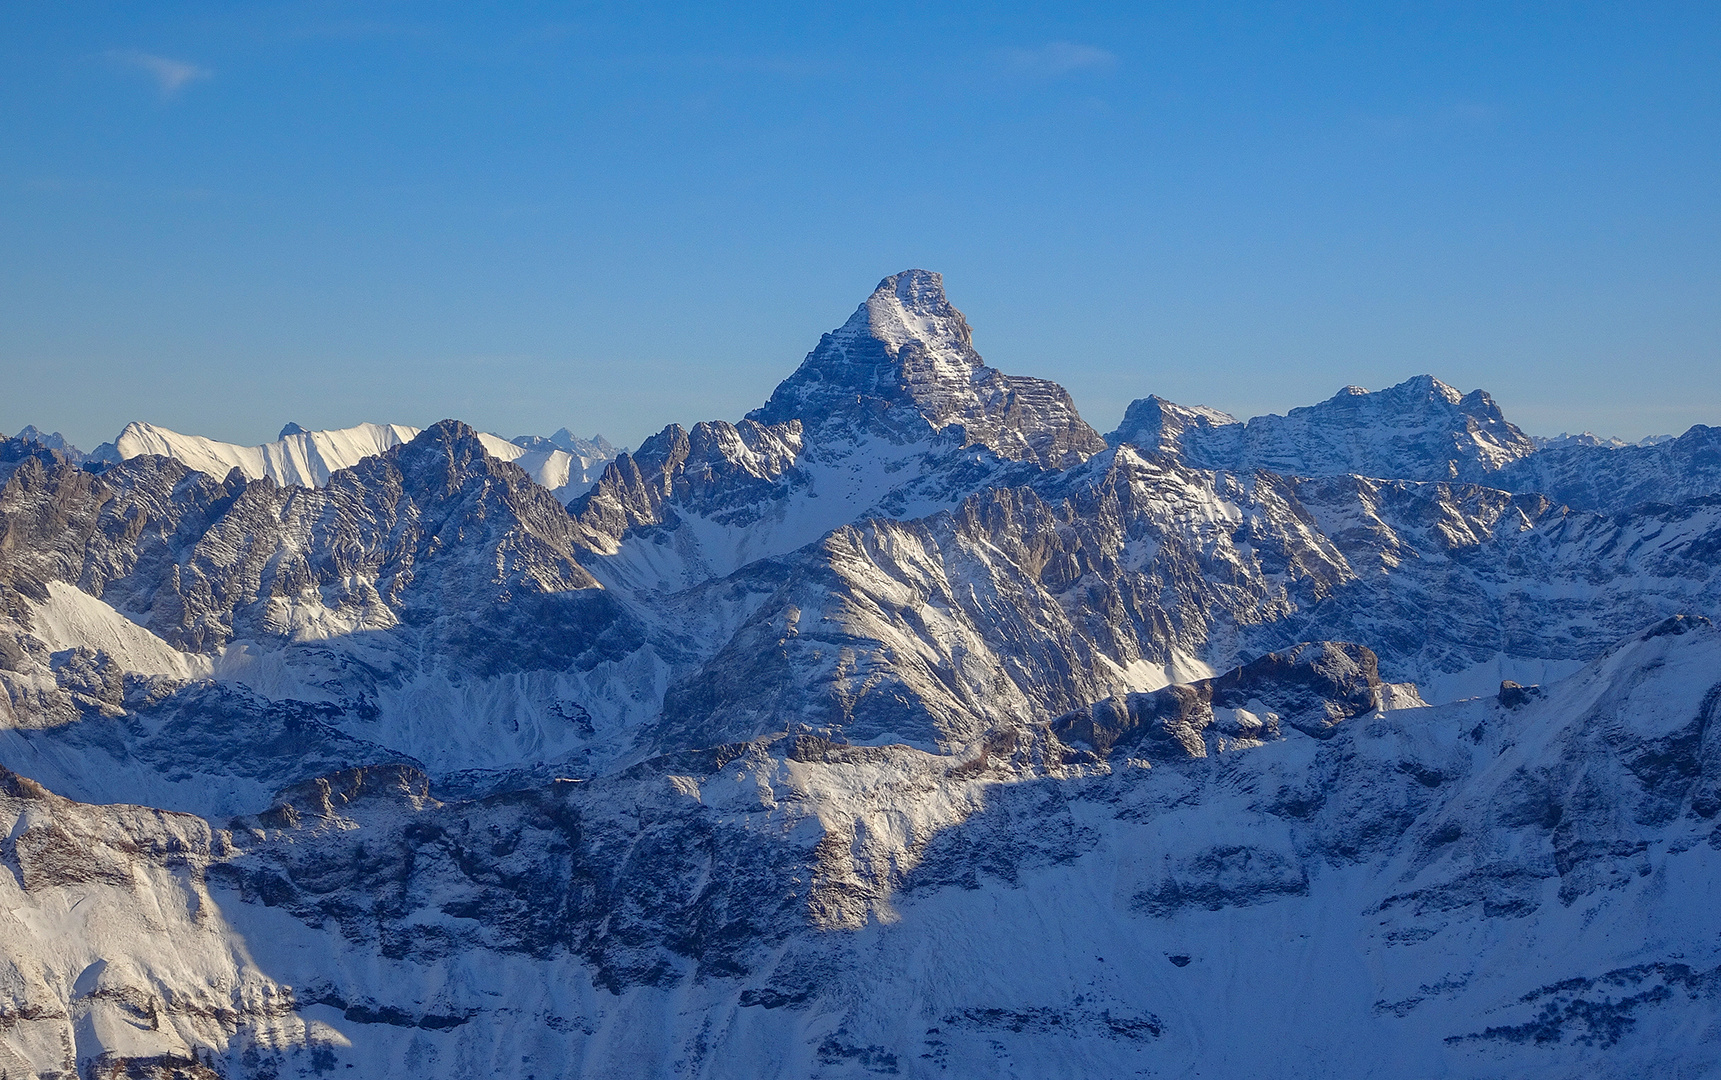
(904, 365)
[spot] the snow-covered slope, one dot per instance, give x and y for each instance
(893, 414)
(71, 619)
(304, 458)
(586, 460)
(1510, 886)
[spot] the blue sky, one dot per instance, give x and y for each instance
(224, 217)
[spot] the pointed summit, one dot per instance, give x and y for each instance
(902, 346)
(904, 366)
(911, 307)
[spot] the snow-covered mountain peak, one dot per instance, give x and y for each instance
(594, 450)
(1418, 396)
(905, 345)
(897, 735)
(455, 443)
(1566, 440)
(1155, 424)
(904, 367)
(1418, 389)
(55, 441)
(1419, 429)
(911, 307)
(298, 457)
(894, 412)
(1425, 429)
(304, 458)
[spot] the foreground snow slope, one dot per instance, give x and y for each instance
(1486, 888)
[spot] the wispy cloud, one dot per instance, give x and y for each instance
(169, 74)
(1058, 59)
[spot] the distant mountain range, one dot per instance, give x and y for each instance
(906, 726)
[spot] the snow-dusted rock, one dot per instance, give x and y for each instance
(1614, 479)
(51, 441)
(1465, 889)
(1423, 429)
(1420, 429)
(894, 414)
(904, 366)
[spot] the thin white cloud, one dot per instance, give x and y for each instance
(169, 74)
(1059, 58)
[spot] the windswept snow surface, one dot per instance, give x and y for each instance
(305, 459)
(72, 619)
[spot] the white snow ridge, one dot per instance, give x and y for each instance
(905, 727)
(309, 458)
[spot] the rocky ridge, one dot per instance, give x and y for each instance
(1420, 429)
(1423, 429)
(562, 463)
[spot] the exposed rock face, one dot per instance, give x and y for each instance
(14, 451)
(1156, 426)
(894, 414)
(900, 728)
(1423, 429)
(1615, 479)
(118, 960)
(1025, 603)
(904, 365)
(1312, 688)
(721, 470)
(50, 441)
(435, 560)
(1420, 429)
(435, 528)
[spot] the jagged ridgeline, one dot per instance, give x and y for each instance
(906, 726)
